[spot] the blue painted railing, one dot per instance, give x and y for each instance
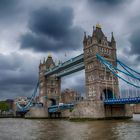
(134, 100)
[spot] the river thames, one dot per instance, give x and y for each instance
(24, 129)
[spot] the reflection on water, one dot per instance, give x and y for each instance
(22, 129)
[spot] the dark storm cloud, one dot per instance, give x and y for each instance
(17, 76)
(52, 30)
(8, 7)
(107, 2)
(135, 44)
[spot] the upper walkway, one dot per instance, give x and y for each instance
(73, 65)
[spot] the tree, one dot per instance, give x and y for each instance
(4, 106)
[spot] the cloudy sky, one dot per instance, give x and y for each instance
(32, 29)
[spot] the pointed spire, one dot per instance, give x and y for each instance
(44, 61)
(40, 62)
(85, 38)
(112, 38)
(93, 33)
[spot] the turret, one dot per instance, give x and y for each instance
(93, 33)
(49, 62)
(85, 39)
(113, 42)
(97, 33)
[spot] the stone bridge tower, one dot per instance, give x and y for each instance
(100, 83)
(49, 89)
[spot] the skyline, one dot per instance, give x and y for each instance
(30, 31)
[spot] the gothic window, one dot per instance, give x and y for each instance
(91, 91)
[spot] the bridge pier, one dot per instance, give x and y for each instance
(136, 109)
(118, 111)
(37, 112)
(89, 109)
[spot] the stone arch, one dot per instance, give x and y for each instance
(107, 93)
(53, 101)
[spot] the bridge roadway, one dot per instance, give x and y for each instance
(56, 108)
(73, 65)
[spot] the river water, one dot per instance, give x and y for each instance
(24, 129)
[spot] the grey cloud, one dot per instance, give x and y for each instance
(9, 64)
(135, 44)
(107, 2)
(9, 8)
(52, 30)
(18, 75)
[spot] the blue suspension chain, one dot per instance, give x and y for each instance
(127, 67)
(30, 101)
(110, 66)
(115, 68)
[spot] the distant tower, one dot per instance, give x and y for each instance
(49, 90)
(100, 83)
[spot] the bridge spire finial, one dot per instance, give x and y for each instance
(49, 55)
(98, 26)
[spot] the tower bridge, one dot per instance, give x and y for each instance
(99, 60)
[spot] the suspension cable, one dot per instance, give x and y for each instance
(113, 70)
(121, 63)
(31, 99)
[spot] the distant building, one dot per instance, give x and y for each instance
(22, 101)
(70, 96)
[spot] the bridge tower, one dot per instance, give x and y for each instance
(100, 83)
(49, 89)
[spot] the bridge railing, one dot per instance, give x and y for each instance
(134, 100)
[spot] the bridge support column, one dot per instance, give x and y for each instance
(136, 109)
(88, 109)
